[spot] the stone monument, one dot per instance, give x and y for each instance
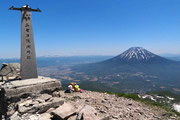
(14, 92)
(28, 54)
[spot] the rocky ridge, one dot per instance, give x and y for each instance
(42, 99)
(111, 107)
(84, 106)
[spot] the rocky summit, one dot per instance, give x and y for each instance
(82, 106)
(111, 107)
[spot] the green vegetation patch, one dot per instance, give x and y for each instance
(131, 96)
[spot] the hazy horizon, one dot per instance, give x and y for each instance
(162, 55)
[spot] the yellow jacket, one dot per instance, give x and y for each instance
(76, 87)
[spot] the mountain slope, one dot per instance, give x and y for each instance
(135, 59)
(136, 55)
(135, 68)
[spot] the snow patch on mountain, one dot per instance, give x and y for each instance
(137, 53)
(177, 107)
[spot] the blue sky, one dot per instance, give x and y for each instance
(93, 27)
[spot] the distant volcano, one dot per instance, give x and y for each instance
(138, 55)
(132, 60)
(134, 69)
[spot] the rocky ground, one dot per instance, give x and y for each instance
(111, 107)
(84, 106)
(43, 99)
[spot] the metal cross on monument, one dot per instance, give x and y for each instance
(28, 54)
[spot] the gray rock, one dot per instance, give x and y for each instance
(39, 107)
(45, 97)
(102, 111)
(32, 117)
(114, 108)
(53, 104)
(106, 118)
(25, 107)
(45, 116)
(87, 100)
(50, 110)
(65, 111)
(87, 113)
(10, 71)
(103, 101)
(56, 94)
(40, 100)
(14, 116)
(115, 117)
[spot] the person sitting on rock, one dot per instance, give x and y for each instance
(76, 88)
(70, 88)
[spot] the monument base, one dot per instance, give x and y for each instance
(28, 87)
(35, 95)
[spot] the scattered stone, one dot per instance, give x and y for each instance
(65, 111)
(130, 104)
(156, 117)
(74, 106)
(50, 110)
(34, 117)
(106, 98)
(56, 94)
(76, 97)
(164, 114)
(40, 100)
(10, 71)
(14, 116)
(115, 117)
(27, 99)
(106, 118)
(103, 101)
(102, 111)
(87, 100)
(43, 107)
(45, 97)
(173, 117)
(45, 116)
(87, 113)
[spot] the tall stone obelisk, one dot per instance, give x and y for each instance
(28, 54)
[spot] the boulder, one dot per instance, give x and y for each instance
(15, 116)
(45, 116)
(64, 112)
(30, 106)
(45, 97)
(87, 113)
(10, 71)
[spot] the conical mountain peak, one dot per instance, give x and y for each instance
(138, 55)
